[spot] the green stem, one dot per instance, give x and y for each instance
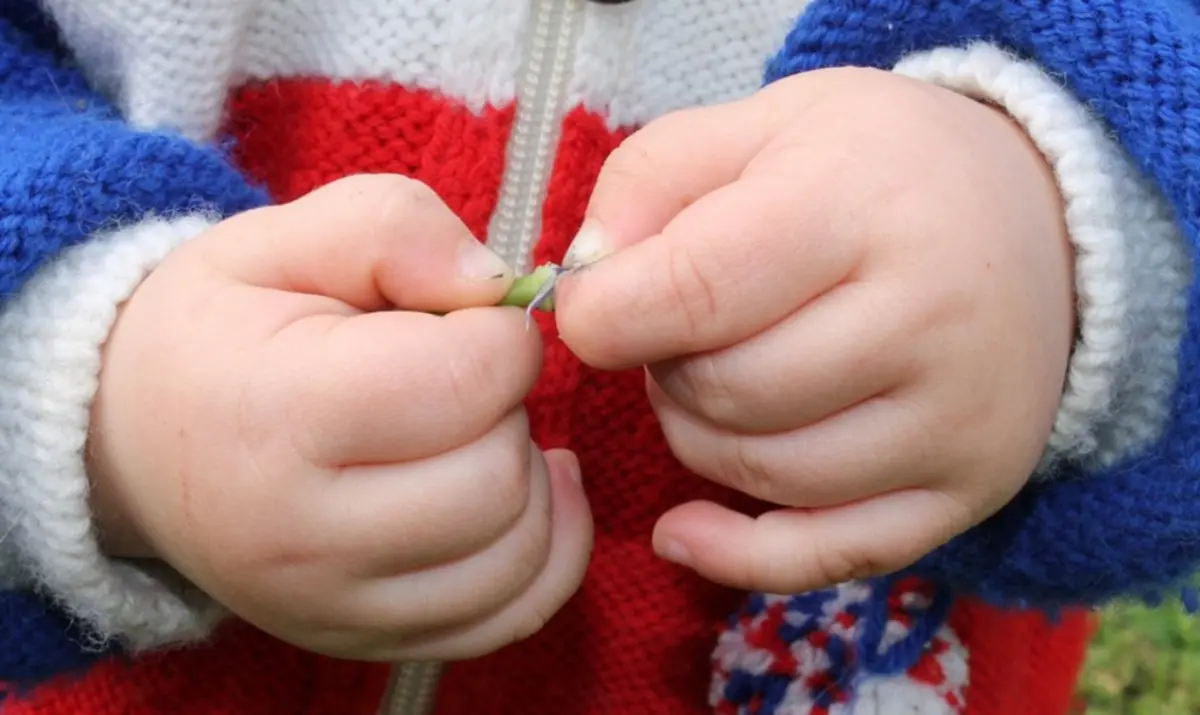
(525, 288)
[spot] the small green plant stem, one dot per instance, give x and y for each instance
(534, 291)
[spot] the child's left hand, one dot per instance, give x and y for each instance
(854, 295)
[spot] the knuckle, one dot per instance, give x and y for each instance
(532, 621)
(930, 437)
(636, 164)
(693, 292)
(467, 374)
(861, 93)
(832, 565)
(500, 353)
(507, 483)
(743, 465)
(374, 187)
(704, 385)
(399, 199)
(771, 573)
(959, 510)
(530, 553)
(685, 447)
(630, 160)
(390, 200)
(306, 436)
(943, 305)
(270, 548)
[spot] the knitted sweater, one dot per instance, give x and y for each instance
(129, 126)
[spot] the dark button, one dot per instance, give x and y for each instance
(611, 2)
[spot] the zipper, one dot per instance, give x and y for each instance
(412, 689)
(516, 223)
(546, 67)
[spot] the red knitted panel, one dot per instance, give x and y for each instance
(296, 135)
(1021, 663)
(636, 640)
(242, 672)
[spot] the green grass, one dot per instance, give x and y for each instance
(1144, 661)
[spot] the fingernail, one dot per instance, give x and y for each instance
(566, 461)
(676, 552)
(478, 262)
(574, 471)
(590, 245)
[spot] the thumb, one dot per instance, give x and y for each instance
(662, 169)
(798, 550)
(679, 158)
(373, 241)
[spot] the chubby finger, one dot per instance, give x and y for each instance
(367, 619)
(728, 266)
(396, 518)
(560, 577)
(391, 386)
(446, 595)
(793, 551)
(372, 241)
(843, 348)
(476, 605)
(657, 171)
(880, 445)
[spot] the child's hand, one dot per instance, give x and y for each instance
(853, 292)
(351, 478)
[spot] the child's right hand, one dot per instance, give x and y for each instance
(354, 479)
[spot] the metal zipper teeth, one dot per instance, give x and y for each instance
(516, 223)
(412, 689)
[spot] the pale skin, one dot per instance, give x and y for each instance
(283, 420)
(855, 303)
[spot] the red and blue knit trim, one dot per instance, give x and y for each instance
(830, 652)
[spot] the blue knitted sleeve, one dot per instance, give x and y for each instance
(1131, 527)
(69, 165)
(70, 169)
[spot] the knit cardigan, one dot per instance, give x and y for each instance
(98, 183)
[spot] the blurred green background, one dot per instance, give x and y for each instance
(1144, 661)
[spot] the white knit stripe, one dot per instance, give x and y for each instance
(169, 64)
(13, 574)
(1132, 266)
(641, 60)
(51, 336)
(165, 64)
(467, 49)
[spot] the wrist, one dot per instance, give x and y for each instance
(110, 467)
(1130, 266)
(1053, 277)
(111, 498)
(57, 332)
(116, 529)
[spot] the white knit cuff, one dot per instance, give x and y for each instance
(51, 335)
(1132, 269)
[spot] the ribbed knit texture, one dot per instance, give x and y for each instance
(1134, 526)
(70, 168)
(639, 635)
